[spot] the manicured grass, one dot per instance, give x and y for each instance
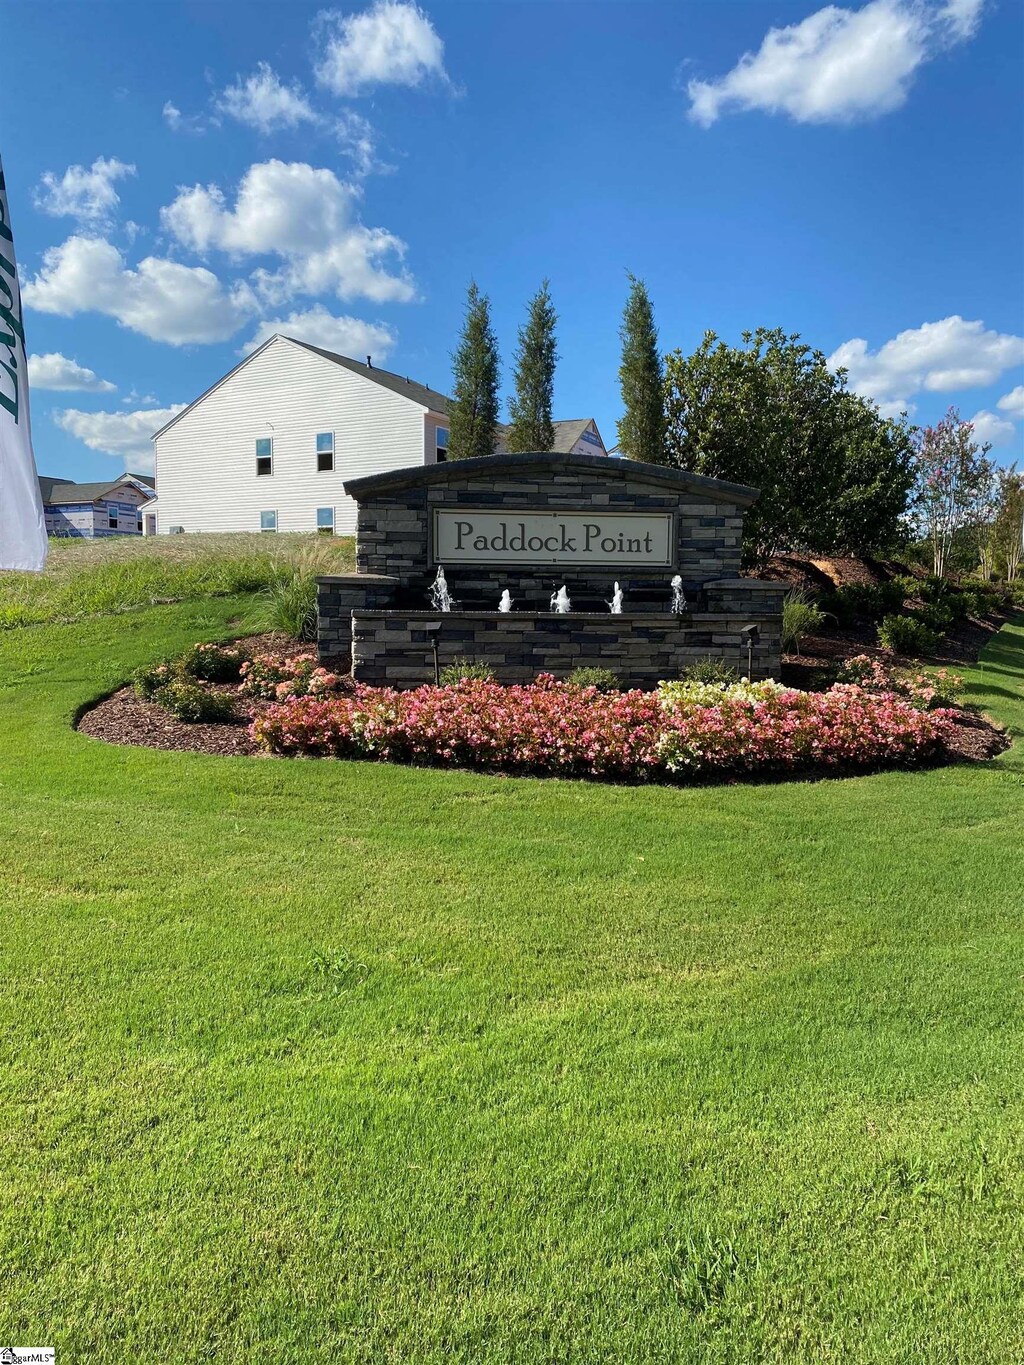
(102, 577)
(349, 1062)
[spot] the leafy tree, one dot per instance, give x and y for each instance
(531, 427)
(641, 429)
(833, 474)
(473, 414)
(954, 478)
(1008, 527)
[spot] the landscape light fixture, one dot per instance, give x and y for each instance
(751, 634)
(432, 630)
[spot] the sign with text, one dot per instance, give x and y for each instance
(619, 539)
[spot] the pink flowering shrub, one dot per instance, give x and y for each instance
(921, 689)
(211, 663)
(553, 727)
(273, 679)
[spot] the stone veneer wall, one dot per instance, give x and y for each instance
(393, 647)
(725, 605)
(393, 532)
(376, 615)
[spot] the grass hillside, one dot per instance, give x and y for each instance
(101, 577)
(347, 1062)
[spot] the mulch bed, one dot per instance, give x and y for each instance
(125, 718)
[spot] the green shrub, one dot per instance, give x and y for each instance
(800, 617)
(212, 663)
(864, 601)
(715, 671)
(601, 678)
(1015, 591)
(905, 635)
(151, 679)
(190, 702)
(466, 670)
(937, 616)
(908, 585)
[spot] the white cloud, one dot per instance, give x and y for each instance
(357, 138)
(937, 357)
(56, 371)
(962, 17)
(161, 299)
(837, 65)
(182, 123)
(990, 427)
(392, 43)
(305, 216)
(126, 435)
(86, 194)
(346, 335)
(1013, 403)
(263, 102)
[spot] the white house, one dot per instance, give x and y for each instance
(270, 445)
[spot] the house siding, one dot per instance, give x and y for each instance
(91, 520)
(206, 461)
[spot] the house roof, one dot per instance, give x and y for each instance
(396, 383)
(58, 492)
(567, 433)
(490, 466)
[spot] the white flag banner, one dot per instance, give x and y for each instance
(22, 528)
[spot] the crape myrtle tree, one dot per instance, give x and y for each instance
(641, 428)
(834, 475)
(530, 424)
(954, 480)
(473, 412)
(1008, 527)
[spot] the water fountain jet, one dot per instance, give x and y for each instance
(440, 597)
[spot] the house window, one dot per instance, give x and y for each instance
(325, 521)
(268, 521)
(324, 452)
(441, 443)
(265, 455)
(111, 519)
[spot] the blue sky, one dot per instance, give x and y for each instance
(186, 178)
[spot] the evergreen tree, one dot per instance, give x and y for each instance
(473, 414)
(530, 409)
(642, 425)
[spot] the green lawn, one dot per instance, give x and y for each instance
(341, 1062)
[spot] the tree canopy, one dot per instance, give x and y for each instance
(834, 474)
(955, 486)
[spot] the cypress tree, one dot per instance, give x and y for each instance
(473, 415)
(642, 425)
(531, 427)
